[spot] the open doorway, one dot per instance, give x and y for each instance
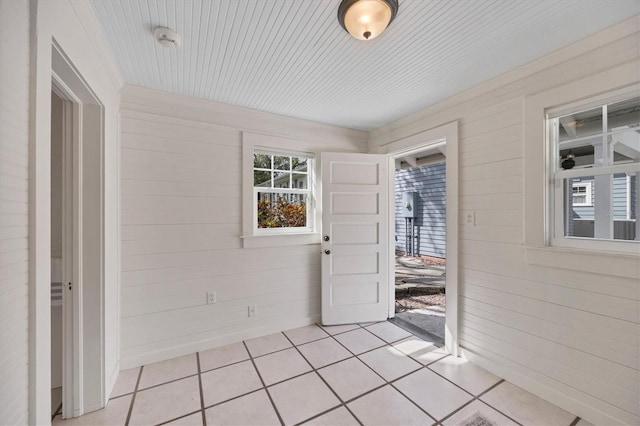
(57, 252)
(420, 240)
(433, 143)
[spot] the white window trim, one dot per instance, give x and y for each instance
(536, 185)
(557, 176)
(252, 237)
(588, 199)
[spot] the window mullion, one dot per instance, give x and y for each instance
(596, 171)
(559, 209)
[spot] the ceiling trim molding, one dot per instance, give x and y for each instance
(181, 107)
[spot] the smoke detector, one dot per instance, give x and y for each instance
(167, 38)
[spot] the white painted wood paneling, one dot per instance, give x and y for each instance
(567, 331)
(182, 222)
(14, 178)
(291, 57)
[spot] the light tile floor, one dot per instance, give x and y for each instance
(367, 374)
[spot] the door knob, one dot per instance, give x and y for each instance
(327, 252)
(326, 238)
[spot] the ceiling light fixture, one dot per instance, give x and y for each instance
(366, 19)
(167, 37)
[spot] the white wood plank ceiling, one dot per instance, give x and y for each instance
(291, 57)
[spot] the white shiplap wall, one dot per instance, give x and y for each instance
(568, 335)
(181, 226)
(14, 175)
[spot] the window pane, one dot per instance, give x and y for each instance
(281, 163)
(623, 115)
(600, 207)
(576, 135)
(281, 179)
(277, 210)
(299, 164)
(299, 181)
(261, 161)
(581, 124)
(626, 146)
(262, 178)
(577, 156)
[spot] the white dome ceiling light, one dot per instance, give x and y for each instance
(366, 19)
(167, 37)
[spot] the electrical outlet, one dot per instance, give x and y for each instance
(252, 310)
(470, 218)
(211, 298)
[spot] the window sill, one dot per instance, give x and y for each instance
(258, 241)
(624, 265)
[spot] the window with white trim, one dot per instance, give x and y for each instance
(592, 143)
(582, 194)
(282, 193)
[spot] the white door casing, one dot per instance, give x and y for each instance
(447, 133)
(354, 245)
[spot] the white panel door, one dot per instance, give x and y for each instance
(355, 249)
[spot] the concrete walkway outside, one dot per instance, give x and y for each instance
(415, 276)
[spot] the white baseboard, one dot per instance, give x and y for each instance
(201, 345)
(585, 410)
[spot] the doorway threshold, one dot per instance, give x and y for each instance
(421, 333)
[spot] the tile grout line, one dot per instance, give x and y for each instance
(204, 416)
(178, 418)
(206, 407)
(133, 397)
(314, 370)
(161, 384)
(425, 366)
(53, 416)
(393, 341)
(400, 340)
(474, 397)
(274, 352)
(188, 376)
(477, 398)
(387, 382)
(223, 366)
(343, 403)
(412, 401)
(270, 385)
(264, 386)
(471, 401)
(357, 356)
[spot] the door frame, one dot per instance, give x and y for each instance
(71, 255)
(430, 139)
(83, 321)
